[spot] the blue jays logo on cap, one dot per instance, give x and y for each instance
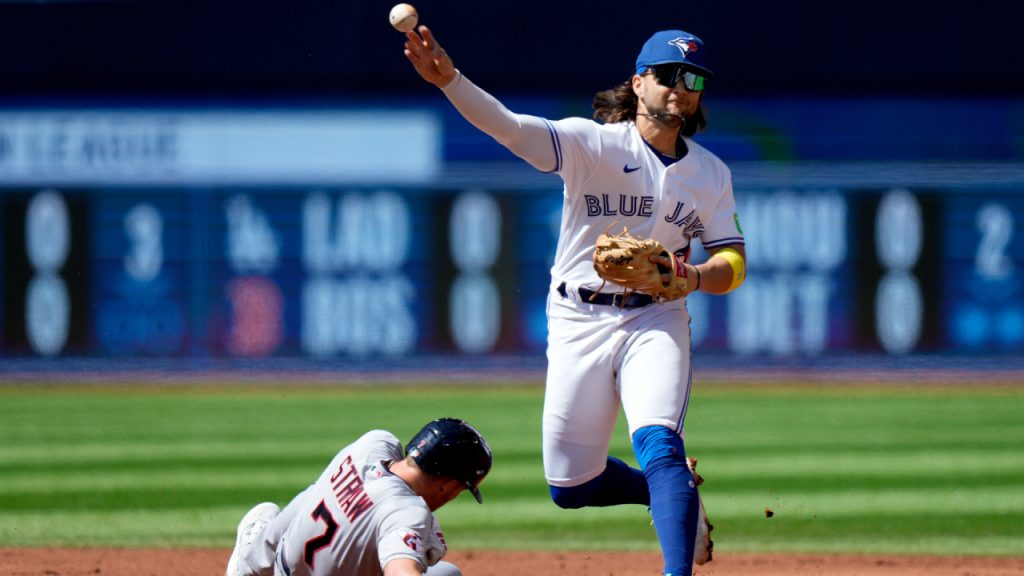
(685, 45)
(673, 47)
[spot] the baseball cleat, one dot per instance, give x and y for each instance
(252, 524)
(702, 544)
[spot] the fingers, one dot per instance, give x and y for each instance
(661, 260)
(423, 40)
(428, 37)
(665, 265)
(423, 44)
(410, 56)
(416, 52)
(426, 55)
(414, 44)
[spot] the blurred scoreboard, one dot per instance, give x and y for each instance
(364, 271)
(338, 234)
(895, 270)
(256, 272)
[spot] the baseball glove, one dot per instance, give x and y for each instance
(624, 259)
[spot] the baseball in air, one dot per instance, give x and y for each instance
(404, 17)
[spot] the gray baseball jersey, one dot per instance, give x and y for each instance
(357, 517)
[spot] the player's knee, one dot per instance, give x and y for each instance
(443, 568)
(572, 497)
(654, 445)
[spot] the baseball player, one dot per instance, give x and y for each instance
(637, 168)
(371, 511)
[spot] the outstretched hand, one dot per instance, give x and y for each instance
(429, 59)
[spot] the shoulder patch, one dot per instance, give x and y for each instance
(413, 541)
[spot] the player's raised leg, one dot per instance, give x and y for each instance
(580, 408)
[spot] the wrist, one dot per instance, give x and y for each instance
(443, 83)
(678, 266)
(696, 284)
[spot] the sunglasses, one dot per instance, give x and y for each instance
(669, 76)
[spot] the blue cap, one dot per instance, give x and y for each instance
(673, 46)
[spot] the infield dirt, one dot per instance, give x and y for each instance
(133, 562)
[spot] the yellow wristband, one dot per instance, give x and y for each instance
(738, 265)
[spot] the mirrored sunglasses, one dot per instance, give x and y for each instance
(669, 76)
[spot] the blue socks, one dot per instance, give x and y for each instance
(618, 484)
(674, 502)
(665, 485)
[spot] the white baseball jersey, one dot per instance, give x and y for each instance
(597, 357)
(356, 518)
(604, 356)
(613, 178)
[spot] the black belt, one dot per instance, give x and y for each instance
(619, 299)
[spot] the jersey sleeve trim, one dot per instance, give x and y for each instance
(408, 555)
(557, 144)
(723, 241)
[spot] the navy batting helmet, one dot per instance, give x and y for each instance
(451, 448)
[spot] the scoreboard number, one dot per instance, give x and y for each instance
(143, 227)
(47, 303)
(899, 307)
(995, 223)
(475, 243)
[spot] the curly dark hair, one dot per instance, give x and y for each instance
(618, 104)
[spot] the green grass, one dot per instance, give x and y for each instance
(843, 468)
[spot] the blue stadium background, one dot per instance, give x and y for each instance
(876, 151)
